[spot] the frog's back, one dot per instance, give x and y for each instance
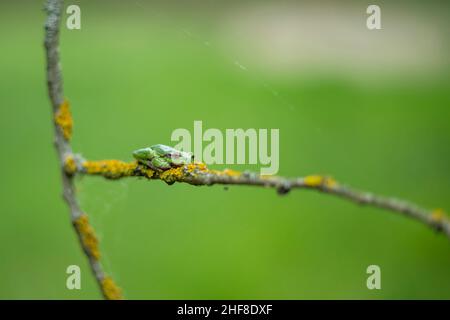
(163, 149)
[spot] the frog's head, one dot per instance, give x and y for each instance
(144, 154)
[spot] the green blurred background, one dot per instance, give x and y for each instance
(370, 108)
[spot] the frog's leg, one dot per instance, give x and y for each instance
(148, 163)
(159, 164)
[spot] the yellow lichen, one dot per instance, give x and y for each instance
(198, 165)
(330, 182)
(438, 215)
(172, 175)
(320, 181)
(110, 290)
(148, 173)
(177, 174)
(63, 119)
(113, 169)
(88, 237)
(70, 166)
(231, 173)
(314, 181)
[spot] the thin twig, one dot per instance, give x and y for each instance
(63, 130)
(198, 174)
(195, 174)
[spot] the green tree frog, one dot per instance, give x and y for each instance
(161, 157)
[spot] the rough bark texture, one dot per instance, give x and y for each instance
(63, 130)
(195, 174)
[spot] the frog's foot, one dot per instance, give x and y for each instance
(148, 164)
(160, 164)
(151, 166)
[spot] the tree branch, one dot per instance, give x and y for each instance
(195, 174)
(198, 174)
(63, 132)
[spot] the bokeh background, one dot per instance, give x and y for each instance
(370, 108)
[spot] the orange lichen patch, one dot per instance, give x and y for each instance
(438, 215)
(172, 175)
(320, 181)
(197, 167)
(113, 169)
(178, 174)
(70, 167)
(110, 290)
(200, 165)
(148, 173)
(63, 119)
(88, 237)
